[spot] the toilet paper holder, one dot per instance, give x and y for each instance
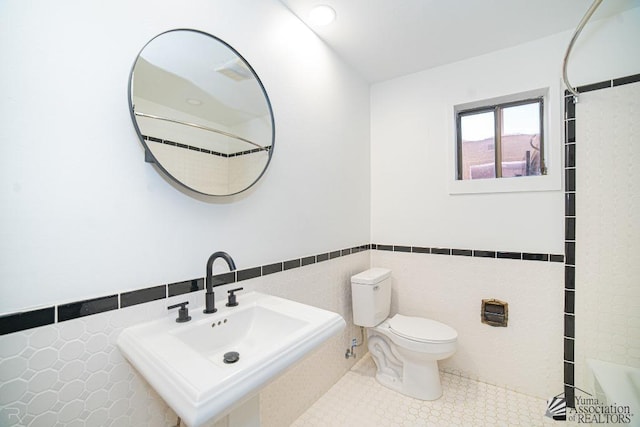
(494, 312)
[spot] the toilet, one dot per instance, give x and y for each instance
(405, 349)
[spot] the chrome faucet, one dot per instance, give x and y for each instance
(209, 298)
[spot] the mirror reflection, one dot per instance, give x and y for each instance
(201, 112)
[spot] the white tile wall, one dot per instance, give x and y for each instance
(73, 374)
(326, 285)
(526, 356)
(607, 228)
(244, 170)
(205, 172)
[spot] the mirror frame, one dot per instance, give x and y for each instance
(150, 158)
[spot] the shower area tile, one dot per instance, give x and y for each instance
(607, 232)
(359, 400)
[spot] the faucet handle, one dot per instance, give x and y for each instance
(183, 313)
(232, 297)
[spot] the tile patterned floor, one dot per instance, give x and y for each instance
(358, 400)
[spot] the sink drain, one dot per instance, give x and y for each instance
(231, 357)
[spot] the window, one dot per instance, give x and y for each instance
(501, 140)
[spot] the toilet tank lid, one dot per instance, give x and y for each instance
(371, 276)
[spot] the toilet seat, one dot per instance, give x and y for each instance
(421, 329)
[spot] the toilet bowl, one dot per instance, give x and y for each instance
(405, 349)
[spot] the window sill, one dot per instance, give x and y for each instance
(506, 185)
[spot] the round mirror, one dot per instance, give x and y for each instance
(201, 112)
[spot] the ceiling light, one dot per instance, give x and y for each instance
(322, 15)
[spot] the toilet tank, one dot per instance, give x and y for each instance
(371, 296)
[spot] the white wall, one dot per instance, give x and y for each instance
(83, 215)
(412, 132)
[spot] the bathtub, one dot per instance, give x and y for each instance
(617, 385)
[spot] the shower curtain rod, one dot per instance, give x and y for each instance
(576, 33)
(197, 126)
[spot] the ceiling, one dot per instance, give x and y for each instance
(383, 39)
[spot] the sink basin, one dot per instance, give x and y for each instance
(185, 362)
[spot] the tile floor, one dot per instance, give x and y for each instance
(358, 400)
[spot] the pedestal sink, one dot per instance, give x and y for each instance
(210, 366)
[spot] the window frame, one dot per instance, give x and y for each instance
(497, 109)
(553, 95)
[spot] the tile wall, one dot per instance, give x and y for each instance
(606, 300)
(448, 285)
(74, 342)
(45, 350)
(596, 202)
(70, 371)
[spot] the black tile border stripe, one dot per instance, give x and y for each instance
(570, 302)
(524, 256)
(271, 268)
(569, 277)
(569, 348)
(570, 133)
(420, 250)
(570, 179)
(249, 273)
(30, 319)
(569, 223)
(20, 321)
(309, 260)
(484, 254)
(595, 86)
(203, 150)
(605, 84)
(294, 263)
(509, 255)
(556, 258)
(462, 252)
(140, 296)
(87, 307)
(626, 80)
(441, 251)
(17, 322)
(322, 257)
(224, 278)
(535, 257)
(185, 287)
